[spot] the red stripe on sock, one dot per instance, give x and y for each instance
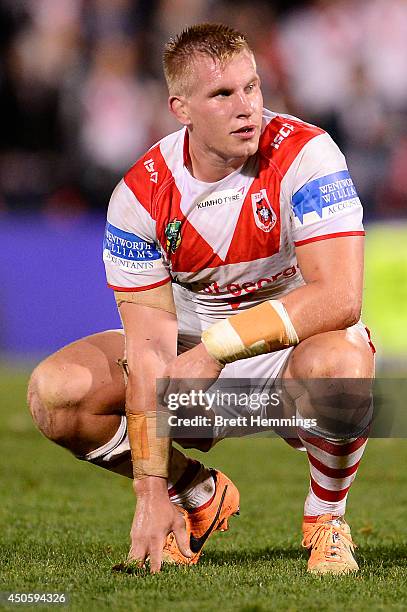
(310, 519)
(186, 478)
(294, 442)
(205, 505)
(338, 450)
(327, 494)
(314, 518)
(333, 472)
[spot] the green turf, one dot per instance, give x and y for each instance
(64, 524)
(385, 296)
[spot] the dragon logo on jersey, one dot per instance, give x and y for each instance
(173, 235)
(264, 215)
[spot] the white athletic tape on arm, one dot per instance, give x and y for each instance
(289, 327)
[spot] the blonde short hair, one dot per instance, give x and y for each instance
(215, 40)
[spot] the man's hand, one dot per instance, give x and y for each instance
(186, 371)
(155, 517)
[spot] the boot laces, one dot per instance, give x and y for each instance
(329, 539)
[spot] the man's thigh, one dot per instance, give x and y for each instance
(77, 395)
(88, 373)
(329, 376)
(266, 374)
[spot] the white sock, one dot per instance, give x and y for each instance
(194, 485)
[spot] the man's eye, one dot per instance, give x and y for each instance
(223, 93)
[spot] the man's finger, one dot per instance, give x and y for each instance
(156, 554)
(137, 555)
(181, 537)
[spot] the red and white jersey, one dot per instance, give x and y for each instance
(228, 245)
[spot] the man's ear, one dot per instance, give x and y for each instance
(179, 108)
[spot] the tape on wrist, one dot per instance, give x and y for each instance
(258, 330)
(150, 454)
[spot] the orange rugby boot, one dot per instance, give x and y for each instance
(202, 522)
(330, 545)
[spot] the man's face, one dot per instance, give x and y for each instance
(224, 107)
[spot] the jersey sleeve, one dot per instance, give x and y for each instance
(131, 253)
(323, 198)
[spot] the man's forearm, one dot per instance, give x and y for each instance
(150, 452)
(316, 308)
(278, 324)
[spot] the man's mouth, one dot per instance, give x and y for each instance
(245, 132)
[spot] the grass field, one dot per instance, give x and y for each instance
(385, 295)
(64, 524)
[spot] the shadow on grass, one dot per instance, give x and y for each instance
(218, 558)
(245, 556)
(390, 555)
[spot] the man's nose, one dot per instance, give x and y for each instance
(244, 105)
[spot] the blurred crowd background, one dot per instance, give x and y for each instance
(82, 92)
(82, 96)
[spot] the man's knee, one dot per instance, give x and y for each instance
(329, 376)
(56, 393)
(342, 354)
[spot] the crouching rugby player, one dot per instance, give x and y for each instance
(234, 247)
